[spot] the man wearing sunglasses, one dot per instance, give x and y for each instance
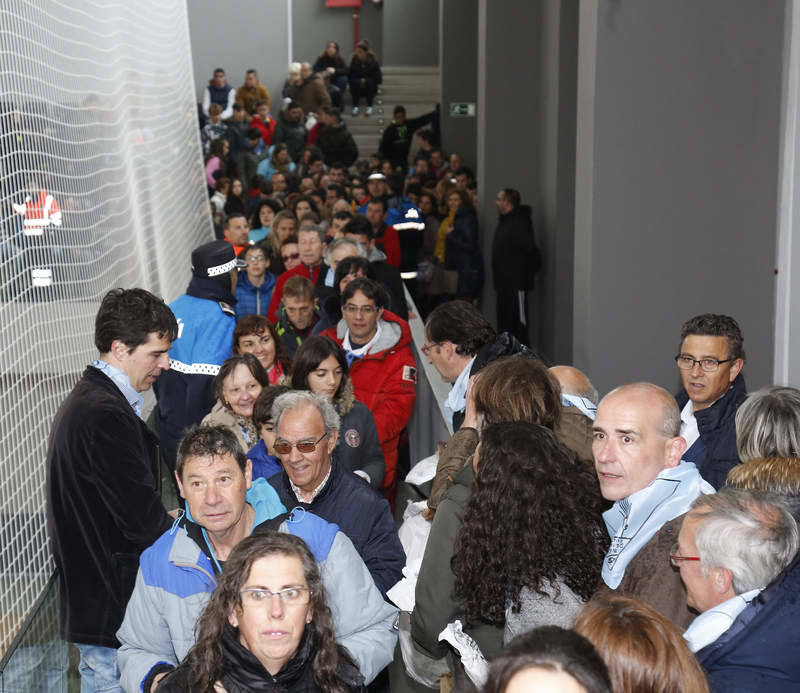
(637, 455)
(307, 431)
(179, 571)
(710, 361)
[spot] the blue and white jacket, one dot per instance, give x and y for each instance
(176, 578)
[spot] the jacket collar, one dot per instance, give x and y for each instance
(724, 409)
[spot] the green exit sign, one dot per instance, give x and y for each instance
(462, 110)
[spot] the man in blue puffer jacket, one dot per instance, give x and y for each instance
(178, 573)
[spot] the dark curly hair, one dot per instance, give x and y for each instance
(205, 661)
(534, 516)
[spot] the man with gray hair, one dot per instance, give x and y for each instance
(307, 432)
(637, 453)
(730, 547)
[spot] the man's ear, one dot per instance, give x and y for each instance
(380, 313)
(675, 447)
(248, 473)
(180, 485)
(736, 368)
(333, 436)
(722, 579)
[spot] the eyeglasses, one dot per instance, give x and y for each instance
(291, 596)
(284, 447)
(686, 363)
(426, 348)
(291, 256)
(676, 559)
(364, 310)
(258, 258)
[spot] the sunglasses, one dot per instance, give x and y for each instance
(284, 447)
(292, 256)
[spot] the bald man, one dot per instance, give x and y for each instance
(578, 407)
(637, 451)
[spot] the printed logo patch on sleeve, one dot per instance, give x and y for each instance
(410, 374)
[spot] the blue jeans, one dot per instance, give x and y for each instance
(41, 667)
(99, 669)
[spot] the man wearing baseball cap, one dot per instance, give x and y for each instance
(205, 338)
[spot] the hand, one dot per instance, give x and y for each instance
(156, 680)
(331, 70)
(471, 418)
(428, 514)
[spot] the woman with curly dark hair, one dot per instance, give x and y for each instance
(267, 627)
(532, 540)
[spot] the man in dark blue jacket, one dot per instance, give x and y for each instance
(313, 480)
(731, 546)
(710, 359)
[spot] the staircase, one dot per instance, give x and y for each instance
(416, 88)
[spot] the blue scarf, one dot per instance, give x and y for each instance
(633, 521)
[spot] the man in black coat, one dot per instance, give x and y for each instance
(396, 140)
(515, 261)
(103, 501)
(710, 362)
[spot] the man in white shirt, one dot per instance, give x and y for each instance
(731, 546)
(710, 359)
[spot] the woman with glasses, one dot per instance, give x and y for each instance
(283, 227)
(267, 627)
(237, 386)
(255, 283)
(320, 365)
(532, 540)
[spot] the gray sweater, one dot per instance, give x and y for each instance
(542, 610)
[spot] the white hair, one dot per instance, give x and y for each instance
(750, 533)
(297, 399)
(338, 243)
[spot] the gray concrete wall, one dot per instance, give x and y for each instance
(313, 25)
(458, 50)
(411, 32)
(677, 159)
(526, 133)
(249, 34)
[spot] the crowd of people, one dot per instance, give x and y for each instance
(642, 542)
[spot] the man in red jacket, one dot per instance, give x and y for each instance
(382, 366)
(310, 239)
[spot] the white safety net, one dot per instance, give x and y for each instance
(101, 185)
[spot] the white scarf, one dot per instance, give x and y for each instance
(361, 351)
(709, 625)
(457, 399)
(633, 521)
